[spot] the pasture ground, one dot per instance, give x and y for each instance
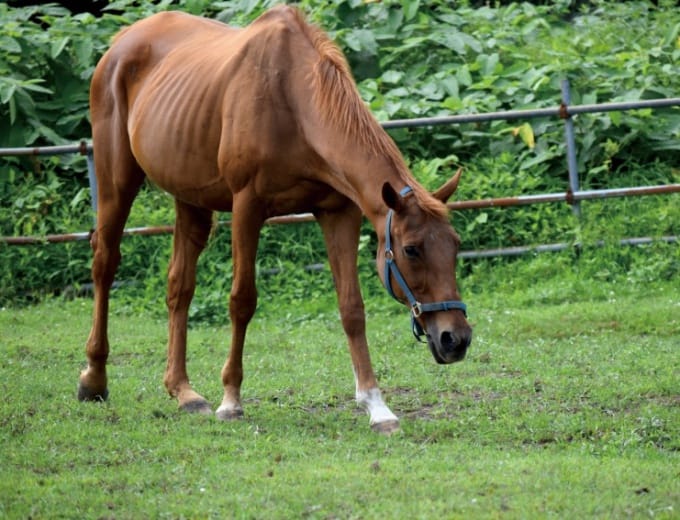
(566, 407)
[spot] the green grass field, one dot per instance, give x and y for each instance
(565, 408)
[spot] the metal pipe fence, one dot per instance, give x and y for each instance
(573, 195)
(82, 148)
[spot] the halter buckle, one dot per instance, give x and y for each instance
(416, 309)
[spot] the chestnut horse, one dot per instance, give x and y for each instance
(260, 121)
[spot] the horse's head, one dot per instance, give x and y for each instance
(417, 264)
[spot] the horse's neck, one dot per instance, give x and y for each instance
(358, 172)
(361, 176)
(360, 155)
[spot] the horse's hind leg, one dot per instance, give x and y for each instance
(118, 180)
(192, 229)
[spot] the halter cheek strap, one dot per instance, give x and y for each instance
(391, 270)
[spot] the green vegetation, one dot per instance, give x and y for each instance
(567, 406)
(410, 58)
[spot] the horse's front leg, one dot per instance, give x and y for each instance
(192, 229)
(246, 223)
(341, 233)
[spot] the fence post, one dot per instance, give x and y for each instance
(571, 147)
(93, 184)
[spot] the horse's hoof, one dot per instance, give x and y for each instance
(85, 394)
(199, 406)
(229, 414)
(385, 427)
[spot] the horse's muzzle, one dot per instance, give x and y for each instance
(449, 346)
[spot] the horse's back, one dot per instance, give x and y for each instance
(172, 44)
(194, 95)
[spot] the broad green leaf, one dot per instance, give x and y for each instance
(395, 18)
(392, 76)
(463, 76)
(399, 92)
(85, 18)
(9, 45)
(472, 42)
(82, 195)
(7, 89)
(83, 51)
(58, 46)
(392, 107)
(453, 104)
(589, 98)
(450, 85)
(489, 63)
(410, 8)
(31, 85)
(672, 36)
(50, 134)
(452, 40)
(361, 40)
(431, 90)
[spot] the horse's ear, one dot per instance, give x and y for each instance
(391, 197)
(448, 188)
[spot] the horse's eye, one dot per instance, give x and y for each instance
(411, 251)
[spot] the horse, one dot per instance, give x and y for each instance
(260, 121)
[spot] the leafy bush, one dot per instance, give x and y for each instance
(514, 57)
(410, 58)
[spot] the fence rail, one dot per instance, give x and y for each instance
(563, 111)
(572, 195)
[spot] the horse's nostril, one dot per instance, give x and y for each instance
(454, 344)
(448, 340)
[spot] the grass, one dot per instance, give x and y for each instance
(567, 407)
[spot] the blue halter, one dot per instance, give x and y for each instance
(391, 268)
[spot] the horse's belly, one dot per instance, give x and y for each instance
(211, 194)
(179, 154)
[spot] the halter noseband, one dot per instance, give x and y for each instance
(417, 308)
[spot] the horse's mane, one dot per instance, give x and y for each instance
(339, 103)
